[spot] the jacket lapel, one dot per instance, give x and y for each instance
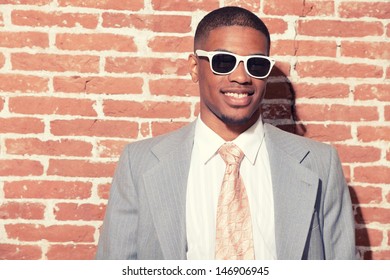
(166, 185)
(295, 191)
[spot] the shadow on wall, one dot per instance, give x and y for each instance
(279, 109)
(279, 104)
(362, 235)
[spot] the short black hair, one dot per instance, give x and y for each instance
(230, 16)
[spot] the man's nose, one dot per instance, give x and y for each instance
(239, 74)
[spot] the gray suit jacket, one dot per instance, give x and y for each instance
(145, 216)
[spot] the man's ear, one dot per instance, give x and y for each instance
(193, 67)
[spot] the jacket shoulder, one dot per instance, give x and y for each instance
(293, 144)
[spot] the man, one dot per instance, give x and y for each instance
(178, 196)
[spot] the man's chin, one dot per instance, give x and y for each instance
(235, 121)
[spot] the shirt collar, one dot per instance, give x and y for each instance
(250, 140)
(209, 142)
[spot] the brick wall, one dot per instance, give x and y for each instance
(81, 78)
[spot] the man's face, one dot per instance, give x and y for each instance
(231, 100)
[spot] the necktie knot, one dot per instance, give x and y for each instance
(231, 154)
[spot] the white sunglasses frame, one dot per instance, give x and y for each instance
(239, 58)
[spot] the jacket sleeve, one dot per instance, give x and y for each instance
(339, 229)
(118, 236)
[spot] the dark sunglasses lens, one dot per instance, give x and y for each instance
(258, 66)
(223, 63)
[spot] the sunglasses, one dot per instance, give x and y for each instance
(224, 63)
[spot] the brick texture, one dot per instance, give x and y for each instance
(80, 79)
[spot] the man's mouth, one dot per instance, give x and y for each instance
(240, 93)
(238, 98)
(236, 95)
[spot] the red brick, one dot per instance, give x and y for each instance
(145, 130)
(51, 19)
(387, 113)
(388, 199)
(24, 39)
(23, 83)
(252, 5)
(33, 146)
(366, 215)
(20, 252)
(171, 44)
(305, 90)
(47, 189)
(27, 211)
(336, 112)
(372, 174)
(26, 2)
(2, 60)
(369, 237)
(96, 42)
(347, 172)
(55, 233)
(159, 128)
(352, 154)
(99, 128)
(377, 255)
(71, 252)
(366, 195)
(299, 7)
(351, 9)
(100, 85)
(328, 133)
(52, 106)
(156, 23)
(338, 28)
(370, 92)
(332, 69)
(110, 148)
(133, 5)
(1, 104)
(55, 63)
(81, 168)
(146, 109)
(388, 72)
(372, 50)
(20, 167)
(74, 212)
(185, 5)
(162, 66)
(370, 133)
(304, 48)
(388, 30)
(276, 25)
(104, 191)
(21, 125)
(173, 87)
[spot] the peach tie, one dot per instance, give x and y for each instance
(234, 239)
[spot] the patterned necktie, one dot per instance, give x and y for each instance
(234, 239)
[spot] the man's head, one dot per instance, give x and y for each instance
(231, 83)
(229, 16)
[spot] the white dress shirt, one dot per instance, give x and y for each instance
(204, 182)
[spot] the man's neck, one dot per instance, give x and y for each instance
(227, 131)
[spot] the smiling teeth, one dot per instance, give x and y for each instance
(236, 95)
